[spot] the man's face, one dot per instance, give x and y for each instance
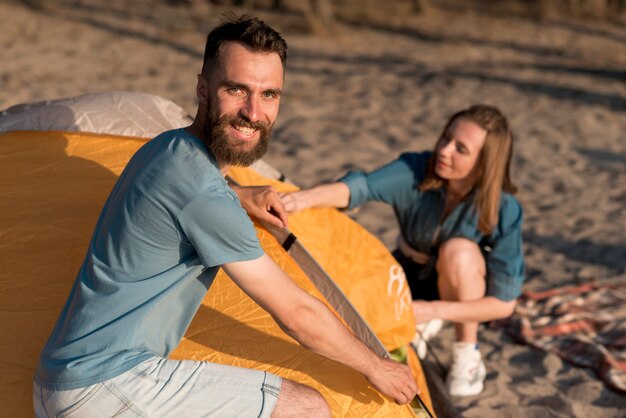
(242, 95)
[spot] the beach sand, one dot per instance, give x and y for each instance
(378, 84)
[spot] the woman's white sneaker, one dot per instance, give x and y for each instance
(424, 332)
(467, 374)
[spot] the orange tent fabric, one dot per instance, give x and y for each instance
(53, 185)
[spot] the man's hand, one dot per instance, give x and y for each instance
(263, 203)
(394, 380)
(315, 327)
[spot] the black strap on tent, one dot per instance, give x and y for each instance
(288, 242)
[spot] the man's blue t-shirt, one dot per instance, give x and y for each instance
(420, 218)
(169, 223)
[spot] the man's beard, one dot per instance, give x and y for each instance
(233, 151)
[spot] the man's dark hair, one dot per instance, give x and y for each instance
(250, 31)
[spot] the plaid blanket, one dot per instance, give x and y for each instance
(584, 324)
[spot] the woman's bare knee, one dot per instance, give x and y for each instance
(297, 400)
(460, 252)
(461, 270)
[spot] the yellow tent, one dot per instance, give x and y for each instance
(53, 185)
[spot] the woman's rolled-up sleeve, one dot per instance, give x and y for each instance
(505, 262)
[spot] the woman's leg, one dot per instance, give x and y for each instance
(461, 269)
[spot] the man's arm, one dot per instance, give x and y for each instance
(315, 327)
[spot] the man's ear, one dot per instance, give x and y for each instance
(202, 89)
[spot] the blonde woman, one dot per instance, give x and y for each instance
(461, 229)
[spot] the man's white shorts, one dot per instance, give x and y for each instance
(167, 388)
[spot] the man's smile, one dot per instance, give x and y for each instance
(244, 131)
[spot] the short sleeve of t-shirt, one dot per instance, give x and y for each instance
(219, 229)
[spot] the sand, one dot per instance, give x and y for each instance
(378, 84)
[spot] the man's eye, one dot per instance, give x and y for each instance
(270, 95)
(234, 90)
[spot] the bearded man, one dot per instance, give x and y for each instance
(168, 225)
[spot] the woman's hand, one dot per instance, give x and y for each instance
(292, 202)
(424, 311)
(333, 195)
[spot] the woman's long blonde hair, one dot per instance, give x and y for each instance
(494, 162)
